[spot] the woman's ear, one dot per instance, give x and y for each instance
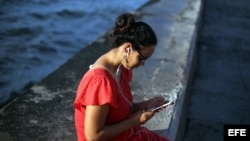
(128, 51)
(128, 48)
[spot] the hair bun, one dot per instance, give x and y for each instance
(124, 23)
(126, 29)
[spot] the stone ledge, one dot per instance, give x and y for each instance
(45, 112)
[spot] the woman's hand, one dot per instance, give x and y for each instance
(155, 102)
(141, 117)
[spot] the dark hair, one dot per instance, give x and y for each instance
(127, 30)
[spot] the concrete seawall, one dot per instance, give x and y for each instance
(45, 112)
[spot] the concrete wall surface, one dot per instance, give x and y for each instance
(45, 112)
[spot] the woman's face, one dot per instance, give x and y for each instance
(138, 58)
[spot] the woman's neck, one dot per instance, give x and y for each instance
(110, 61)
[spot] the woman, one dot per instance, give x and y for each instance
(104, 108)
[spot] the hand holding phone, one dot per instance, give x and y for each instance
(162, 106)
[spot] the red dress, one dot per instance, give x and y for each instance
(98, 87)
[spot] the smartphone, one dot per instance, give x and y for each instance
(164, 105)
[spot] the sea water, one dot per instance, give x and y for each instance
(37, 36)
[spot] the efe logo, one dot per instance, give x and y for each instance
(237, 132)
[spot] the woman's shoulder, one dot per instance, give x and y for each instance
(97, 72)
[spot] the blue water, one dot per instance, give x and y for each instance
(37, 36)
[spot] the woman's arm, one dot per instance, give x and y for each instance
(95, 128)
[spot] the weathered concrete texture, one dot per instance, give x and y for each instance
(166, 73)
(220, 92)
(45, 112)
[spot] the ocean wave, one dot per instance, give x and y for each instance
(37, 36)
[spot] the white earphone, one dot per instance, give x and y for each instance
(127, 51)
